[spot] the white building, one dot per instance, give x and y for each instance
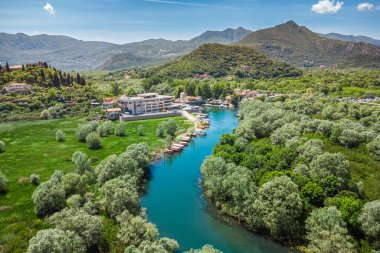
(146, 103)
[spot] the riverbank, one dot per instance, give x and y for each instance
(175, 202)
(31, 148)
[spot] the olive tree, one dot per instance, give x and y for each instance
(93, 141)
(164, 245)
(171, 127)
(280, 207)
(369, 219)
(120, 195)
(82, 162)
(205, 249)
(120, 129)
(3, 182)
(2, 147)
(327, 232)
(60, 136)
(56, 241)
(374, 148)
(73, 184)
(49, 197)
(88, 227)
(83, 131)
(45, 114)
(160, 132)
(329, 164)
(140, 153)
(135, 229)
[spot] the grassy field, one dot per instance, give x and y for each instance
(32, 148)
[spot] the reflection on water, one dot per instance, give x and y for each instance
(175, 203)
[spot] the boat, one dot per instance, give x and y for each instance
(186, 139)
(200, 132)
(176, 149)
(168, 151)
(178, 145)
(184, 143)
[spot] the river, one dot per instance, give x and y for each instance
(175, 203)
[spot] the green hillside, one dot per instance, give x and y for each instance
(218, 60)
(299, 46)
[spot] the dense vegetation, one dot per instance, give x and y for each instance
(280, 172)
(218, 60)
(17, 213)
(49, 86)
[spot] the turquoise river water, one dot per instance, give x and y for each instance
(176, 205)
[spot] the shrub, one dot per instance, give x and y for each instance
(83, 131)
(160, 132)
(49, 197)
(205, 249)
(56, 240)
(105, 128)
(3, 182)
(34, 179)
(373, 148)
(2, 146)
(94, 125)
(81, 162)
(60, 135)
(93, 141)
(140, 130)
(88, 227)
(369, 220)
(120, 129)
(45, 114)
(73, 184)
(23, 181)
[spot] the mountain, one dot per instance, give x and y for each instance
(219, 60)
(227, 36)
(69, 53)
(301, 47)
(352, 38)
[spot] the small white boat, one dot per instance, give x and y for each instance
(200, 132)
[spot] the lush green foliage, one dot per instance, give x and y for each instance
(3, 182)
(279, 170)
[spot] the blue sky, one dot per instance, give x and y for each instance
(123, 21)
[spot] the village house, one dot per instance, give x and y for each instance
(15, 67)
(145, 103)
(36, 65)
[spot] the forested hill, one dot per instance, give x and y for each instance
(216, 60)
(299, 46)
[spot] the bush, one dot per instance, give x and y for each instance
(93, 141)
(205, 249)
(83, 131)
(160, 132)
(45, 114)
(34, 179)
(3, 182)
(140, 130)
(60, 135)
(2, 146)
(81, 162)
(105, 128)
(373, 148)
(56, 240)
(120, 129)
(73, 184)
(369, 220)
(49, 197)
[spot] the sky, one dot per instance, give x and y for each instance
(124, 21)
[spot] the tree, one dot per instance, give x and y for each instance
(140, 153)
(88, 227)
(120, 195)
(164, 245)
(7, 66)
(369, 219)
(348, 206)
(140, 130)
(83, 131)
(93, 141)
(135, 229)
(49, 197)
(2, 147)
(60, 135)
(160, 132)
(351, 138)
(313, 194)
(34, 179)
(56, 241)
(171, 127)
(374, 148)
(205, 249)
(73, 184)
(82, 162)
(3, 182)
(45, 114)
(120, 129)
(280, 207)
(116, 89)
(169, 141)
(327, 232)
(105, 128)
(329, 164)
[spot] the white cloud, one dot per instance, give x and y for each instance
(365, 7)
(327, 7)
(49, 9)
